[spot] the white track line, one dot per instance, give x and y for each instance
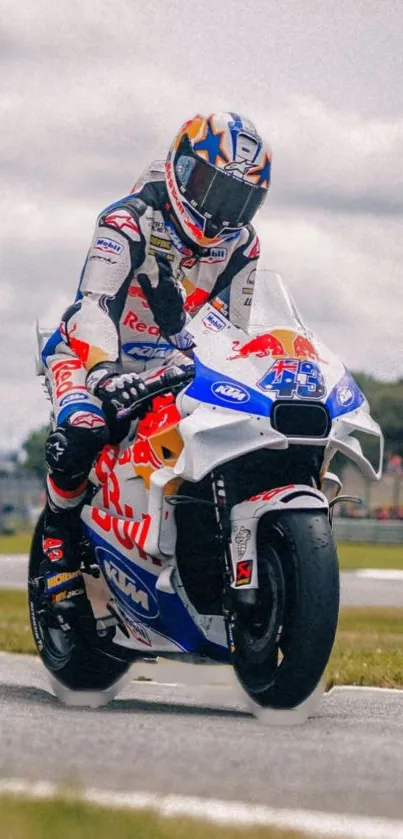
(221, 812)
(365, 689)
(391, 574)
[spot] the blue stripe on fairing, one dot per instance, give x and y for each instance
(173, 621)
(79, 405)
(205, 378)
(346, 391)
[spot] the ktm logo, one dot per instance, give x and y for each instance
(126, 586)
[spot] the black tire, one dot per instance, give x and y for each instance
(281, 658)
(75, 662)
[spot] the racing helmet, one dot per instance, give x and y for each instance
(217, 175)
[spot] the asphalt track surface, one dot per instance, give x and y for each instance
(360, 588)
(195, 736)
(189, 731)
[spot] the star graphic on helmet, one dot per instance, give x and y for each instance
(262, 173)
(211, 145)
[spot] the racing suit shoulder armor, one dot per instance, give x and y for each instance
(249, 242)
(153, 193)
(155, 171)
(248, 234)
(149, 191)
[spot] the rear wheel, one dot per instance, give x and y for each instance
(282, 648)
(77, 662)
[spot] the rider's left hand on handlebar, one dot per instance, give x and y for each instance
(118, 390)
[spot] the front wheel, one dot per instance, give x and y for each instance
(76, 663)
(282, 648)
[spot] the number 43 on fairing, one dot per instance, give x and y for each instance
(288, 377)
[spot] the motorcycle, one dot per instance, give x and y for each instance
(208, 535)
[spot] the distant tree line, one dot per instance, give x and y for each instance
(386, 403)
(34, 449)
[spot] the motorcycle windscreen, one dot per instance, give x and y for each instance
(272, 305)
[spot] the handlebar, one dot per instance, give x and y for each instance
(171, 380)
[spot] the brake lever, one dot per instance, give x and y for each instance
(170, 387)
(124, 413)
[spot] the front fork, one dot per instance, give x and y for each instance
(233, 599)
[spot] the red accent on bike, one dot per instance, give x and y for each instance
(244, 570)
(271, 493)
(261, 346)
(196, 300)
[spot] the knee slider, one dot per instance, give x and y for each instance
(71, 450)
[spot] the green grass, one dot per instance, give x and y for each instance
(18, 543)
(361, 555)
(21, 819)
(351, 554)
(368, 648)
(15, 630)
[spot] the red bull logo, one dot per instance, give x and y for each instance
(280, 343)
(261, 346)
(135, 291)
(303, 348)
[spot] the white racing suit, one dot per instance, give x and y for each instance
(111, 320)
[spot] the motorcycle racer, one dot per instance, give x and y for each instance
(182, 236)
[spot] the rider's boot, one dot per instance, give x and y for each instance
(63, 581)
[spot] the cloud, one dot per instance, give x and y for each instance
(94, 92)
(334, 160)
(344, 274)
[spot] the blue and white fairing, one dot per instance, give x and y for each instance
(226, 412)
(154, 614)
(242, 374)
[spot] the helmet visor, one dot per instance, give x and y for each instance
(222, 198)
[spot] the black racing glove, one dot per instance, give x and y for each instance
(115, 389)
(166, 300)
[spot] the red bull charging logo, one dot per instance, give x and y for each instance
(280, 343)
(136, 291)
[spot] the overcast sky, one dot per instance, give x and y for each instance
(91, 91)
